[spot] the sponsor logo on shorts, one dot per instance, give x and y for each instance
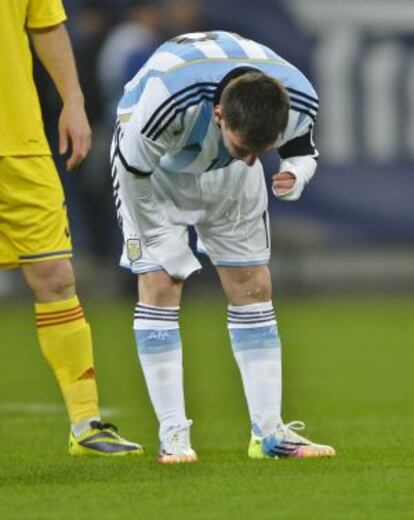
(133, 248)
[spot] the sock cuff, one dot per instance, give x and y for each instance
(83, 425)
(155, 318)
(59, 313)
(252, 307)
(61, 305)
(250, 316)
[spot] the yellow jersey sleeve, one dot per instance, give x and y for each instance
(21, 125)
(44, 13)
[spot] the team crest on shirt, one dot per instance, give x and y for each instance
(133, 249)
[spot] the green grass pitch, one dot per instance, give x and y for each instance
(348, 373)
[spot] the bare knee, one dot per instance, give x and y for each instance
(159, 289)
(246, 285)
(50, 281)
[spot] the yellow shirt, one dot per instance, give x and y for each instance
(21, 125)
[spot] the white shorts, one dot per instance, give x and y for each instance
(227, 207)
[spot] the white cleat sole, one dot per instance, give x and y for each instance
(175, 459)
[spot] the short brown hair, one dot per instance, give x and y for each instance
(257, 106)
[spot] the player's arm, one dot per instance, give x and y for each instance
(53, 47)
(297, 167)
(140, 144)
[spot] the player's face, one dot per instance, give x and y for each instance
(236, 143)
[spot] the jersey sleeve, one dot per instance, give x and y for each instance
(300, 146)
(152, 129)
(44, 13)
(301, 143)
(299, 157)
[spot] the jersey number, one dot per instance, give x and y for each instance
(200, 37)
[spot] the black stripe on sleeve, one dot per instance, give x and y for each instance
(298, 146)
(299, 101)
(131, 169)
(171, 110)
(172, 98)
(178, 111)
(124, 162)
(302, 94)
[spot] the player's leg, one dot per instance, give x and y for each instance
(66, 342)
(239, 246)
(38, 240)
(65, 337)
(159, 348)
(257, 349)
(237, 240)
(156, 314)
(255, 341)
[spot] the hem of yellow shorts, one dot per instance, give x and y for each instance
(28, 152)
(36, 258)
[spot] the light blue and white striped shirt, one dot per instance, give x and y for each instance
(166, 112)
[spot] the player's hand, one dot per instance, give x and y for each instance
(283, 182)
(74, 133)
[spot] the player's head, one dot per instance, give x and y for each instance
(252, 114)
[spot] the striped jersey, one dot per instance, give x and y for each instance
(166, 113)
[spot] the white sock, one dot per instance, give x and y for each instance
(256, 347)
(83, 425)
(159, 348)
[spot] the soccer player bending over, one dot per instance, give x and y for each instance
(34, 231)
(190, 127)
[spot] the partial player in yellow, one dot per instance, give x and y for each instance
(34, 231)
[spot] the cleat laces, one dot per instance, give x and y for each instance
(290, 429)
(179, 440)
(98, 425)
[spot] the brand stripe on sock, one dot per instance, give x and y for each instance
(253, 320)
(250, 313)
(74, 316)
(71, 314)
(157, 310)
(249, 318)
(149, 316)
(40, 314)
(156, 313)
(68, 317)
(68, 320)
(153, 317)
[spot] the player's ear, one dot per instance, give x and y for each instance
(218, 114)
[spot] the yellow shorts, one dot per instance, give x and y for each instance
(33, 221)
